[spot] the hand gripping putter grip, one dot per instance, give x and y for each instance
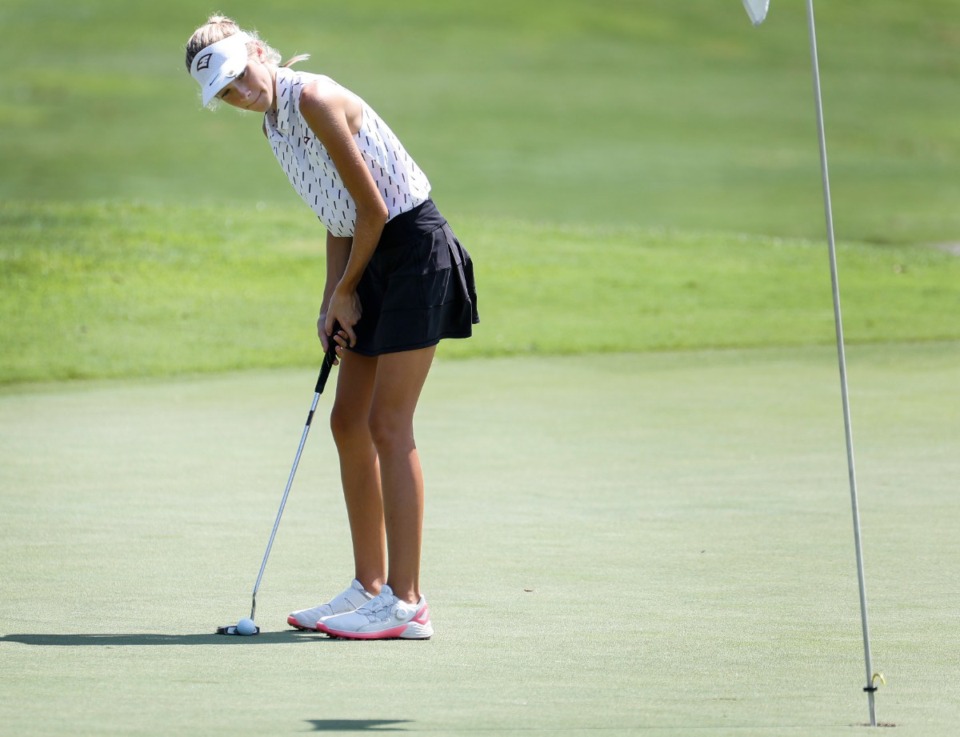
(328, 359)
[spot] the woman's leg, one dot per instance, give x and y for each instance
(399, 381)
(359, 468)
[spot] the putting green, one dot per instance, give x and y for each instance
(648, 544)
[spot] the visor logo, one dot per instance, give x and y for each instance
(204, 62)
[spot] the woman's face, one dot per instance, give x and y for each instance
(254, 89)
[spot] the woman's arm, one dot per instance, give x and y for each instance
(338, 253)
(334, 114)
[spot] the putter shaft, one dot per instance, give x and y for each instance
(325, 368)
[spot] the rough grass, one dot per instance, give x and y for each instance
(602, 161)
(112, 290)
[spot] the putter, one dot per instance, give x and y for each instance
(328, 359)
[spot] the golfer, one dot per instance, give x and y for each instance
(397, 283)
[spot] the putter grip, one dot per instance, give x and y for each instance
(328, 359)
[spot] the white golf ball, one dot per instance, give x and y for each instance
(246, 627)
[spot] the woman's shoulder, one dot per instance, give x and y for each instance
(297, 81)
(323, 91)
(317, 84)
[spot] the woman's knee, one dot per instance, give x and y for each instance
(348, 425)
(391, 430)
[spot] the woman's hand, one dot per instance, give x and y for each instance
(339, 338)
(344, 310)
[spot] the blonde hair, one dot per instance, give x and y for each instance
(219, 27)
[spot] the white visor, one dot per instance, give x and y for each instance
(219, 64)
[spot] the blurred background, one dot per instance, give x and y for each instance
(645, 173)
(644, 112)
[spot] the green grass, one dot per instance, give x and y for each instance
(632, 544)
(654, 114)
(112, 290)
(650, 538)
(628, 178)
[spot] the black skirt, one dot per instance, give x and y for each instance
(418, 287)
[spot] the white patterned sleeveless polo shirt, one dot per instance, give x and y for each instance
(312, 173)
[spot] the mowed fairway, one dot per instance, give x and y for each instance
(647, 544)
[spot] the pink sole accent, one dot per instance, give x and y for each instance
(393, 633)
(422, 617)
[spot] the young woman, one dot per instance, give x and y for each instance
(397, 282)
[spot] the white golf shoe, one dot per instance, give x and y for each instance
(384, 617)
(354, 597)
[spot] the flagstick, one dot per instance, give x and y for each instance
(870, 688)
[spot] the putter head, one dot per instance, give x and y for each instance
(231, 629)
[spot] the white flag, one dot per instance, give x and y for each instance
(757, 10)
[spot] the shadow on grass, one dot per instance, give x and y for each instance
(357, 725)
(143, 640)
